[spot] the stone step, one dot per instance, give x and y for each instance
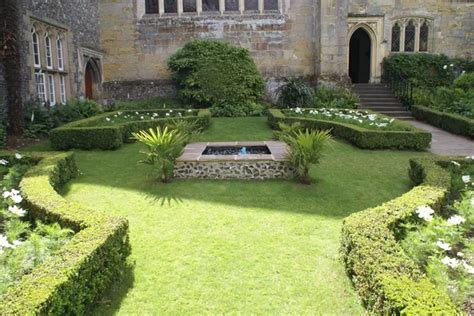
(383, 108)
(382, 103)
(378, 98)
(396, 113)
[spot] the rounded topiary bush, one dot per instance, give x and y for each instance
(218, 75)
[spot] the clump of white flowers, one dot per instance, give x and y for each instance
(425, 212)
(456, 220)
(445, 246)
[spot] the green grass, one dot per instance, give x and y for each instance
(208, 247)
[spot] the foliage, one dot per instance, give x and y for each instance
(449, 100)
(286, 129)
(98, 133)
(387, 280)
(427, 70)
(295, 93)
(164, 146)
(39, 120)
(465, 81)
(453, 123)
(80, 270)
(153, 103)
(218, 75)
(22, 247)
(188, 129)
(3, 136)
(305, 149)
(442, 245)
(359, 136)
(336, 98)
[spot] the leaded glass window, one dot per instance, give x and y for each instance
(251, 5)
(396, 38)
(424, 32)
(410, 31)
(151, 6)
(189, 6)
(232, 5)
(270, 5)
(210, 5)
(171, 6)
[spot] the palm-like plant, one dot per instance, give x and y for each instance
(305, 149)
(295, 93)
(164, 147)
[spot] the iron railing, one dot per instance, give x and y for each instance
(401, 87)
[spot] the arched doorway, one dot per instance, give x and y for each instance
(92, 80)
(360, 56)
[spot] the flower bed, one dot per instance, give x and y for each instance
(362, 128)
(442, 244)
(85, 266)
(111, 130)
(387, 279)
(24, 244)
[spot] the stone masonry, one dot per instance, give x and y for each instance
(306, 38)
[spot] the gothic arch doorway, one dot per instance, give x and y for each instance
(92, 80)
(360, 56)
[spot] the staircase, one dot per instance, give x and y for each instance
(379, 98)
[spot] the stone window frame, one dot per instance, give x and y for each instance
(283, 6)
(418, 23)
(60, 52)
(49, 66)
(35, 46)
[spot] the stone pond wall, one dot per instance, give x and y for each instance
(255, 170)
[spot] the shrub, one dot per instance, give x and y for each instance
(217, 75)
(153, 103)
(387, 280)
(326, 97)
(83, 268)
(74, 110)
(38, 120)
(164, 146)
(361, 137)
(453, 123)
(427, 70)
(294, 93)
(3, 136)
(94, 133)
(305, 149)
(465, 81)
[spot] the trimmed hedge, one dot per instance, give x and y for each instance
(388, 281)
(95, 257)
(453, 123)
(361, 137)
(88, 134)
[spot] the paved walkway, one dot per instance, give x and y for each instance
(446, 144)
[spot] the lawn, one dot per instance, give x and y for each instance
(208, 247)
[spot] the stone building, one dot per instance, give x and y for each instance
(58, 50)
(332, 40)
(110, 49)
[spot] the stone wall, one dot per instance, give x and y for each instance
(3, 92)
(245, 170)
(137, 48)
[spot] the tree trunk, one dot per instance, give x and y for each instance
(11, 16)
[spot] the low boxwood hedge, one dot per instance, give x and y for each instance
(453, 123)
(387, 280)
(360, 137)
(95, 257)
(89, 134)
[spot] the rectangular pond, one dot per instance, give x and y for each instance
(234, 160)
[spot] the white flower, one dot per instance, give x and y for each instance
(468, 267)
(142, 117)
(470, 157)
(17, 210)
(452, 65)
(3, 162)
(445, 67)
(463, 72)
(450, 262)
(190, 110)
(16, 198)
(466, 179)
(167, 114)
(457, 164)
(18, 156)
(456, 220)
(171, 111)
(107, 119)
(460, 254)
(443, 245)
(372, 117)
(137, 113)
(425, 212)
(4, 242)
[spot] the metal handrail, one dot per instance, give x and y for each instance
(401, 87)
